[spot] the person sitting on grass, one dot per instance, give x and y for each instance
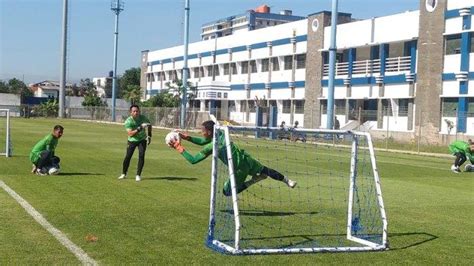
(463, 151)
(42, 155)
(244, 164)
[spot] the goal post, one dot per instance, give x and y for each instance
(336, 206)
(5, 146)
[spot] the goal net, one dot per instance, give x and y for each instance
(336, 205)
(5, 143)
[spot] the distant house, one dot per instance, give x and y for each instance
(100, 85)
(48, 88)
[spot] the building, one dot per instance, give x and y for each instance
(406, 72)
(48, 88)
(100, 84)
(248, 21)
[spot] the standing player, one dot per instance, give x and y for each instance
(244, 164)
(463, 151)
(42, 155)
(135, 126)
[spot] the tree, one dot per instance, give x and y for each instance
(176, 87)
(163, 99)
(16, 86)
(47, 109)
(91, 99)
(4, 87)
(130, 77)
(132, 93)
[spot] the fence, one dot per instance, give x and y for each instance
(399, 129)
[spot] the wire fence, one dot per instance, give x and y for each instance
(402, 129)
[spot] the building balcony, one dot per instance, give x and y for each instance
(369, 67)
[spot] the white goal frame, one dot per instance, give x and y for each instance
(7, 152)
(237, 250)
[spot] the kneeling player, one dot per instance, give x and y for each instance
(244, 164)
(42, 155)
(463, 151)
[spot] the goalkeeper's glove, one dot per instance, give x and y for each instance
(148, 140)
(177, 146)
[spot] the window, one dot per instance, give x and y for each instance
(219, 95)
(299, 106)
(253, 66)
(225, 96)
(231, 105)
(196, 72)
(226, 69)
(245, 67)
(288, 62)
(387, 107)
(265, 65)
(301, 61)
(243, 106)
(449, 106)
(216, 70)
(403, 107)
(324, 105)
(272, 103)
(340, 107)
(209, 71)
(201, 72)
(453, 44)
(163, 76)
(98, 82)
(233, 66)
(275, 63)
(286, 106)
(252, 106)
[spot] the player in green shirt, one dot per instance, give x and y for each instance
(244, 164)
(463, 151)
(42, 155)
(135, 126)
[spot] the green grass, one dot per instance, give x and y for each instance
(164, 218)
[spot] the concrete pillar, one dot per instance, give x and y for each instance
(202, 106)
(430, 69)
(379, 114)
(410, 115)
(144, 67)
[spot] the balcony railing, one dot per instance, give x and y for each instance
(369, 67)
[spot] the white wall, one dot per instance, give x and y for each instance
(403, 26)
(9, 99)
(456, 4)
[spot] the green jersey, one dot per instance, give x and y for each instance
(462, 147)
(48, 143)
(132, 124)
(244, 164)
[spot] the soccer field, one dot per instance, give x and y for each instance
(164, 218)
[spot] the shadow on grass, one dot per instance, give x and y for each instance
(170, 178)
(399, 241)
(70, 174)
(267, 213)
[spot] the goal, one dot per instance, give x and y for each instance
(5, 142)
(336, 206)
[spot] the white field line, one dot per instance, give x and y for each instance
(60, 236)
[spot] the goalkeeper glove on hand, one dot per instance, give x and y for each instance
(177, 146)
(148, 140)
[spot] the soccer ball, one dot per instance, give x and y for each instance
(468, 168)
(172, 137)
(53, 170)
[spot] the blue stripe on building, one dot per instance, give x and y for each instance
(301, 38)
(462, 113)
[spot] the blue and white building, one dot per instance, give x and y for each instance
(404, 72)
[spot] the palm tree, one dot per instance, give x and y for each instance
(132, 93)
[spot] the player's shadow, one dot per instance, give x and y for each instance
(170, 178)
(71, 174)
(267, 213)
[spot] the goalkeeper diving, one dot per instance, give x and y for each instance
(244, 164)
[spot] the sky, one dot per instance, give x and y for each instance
(30, 30)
